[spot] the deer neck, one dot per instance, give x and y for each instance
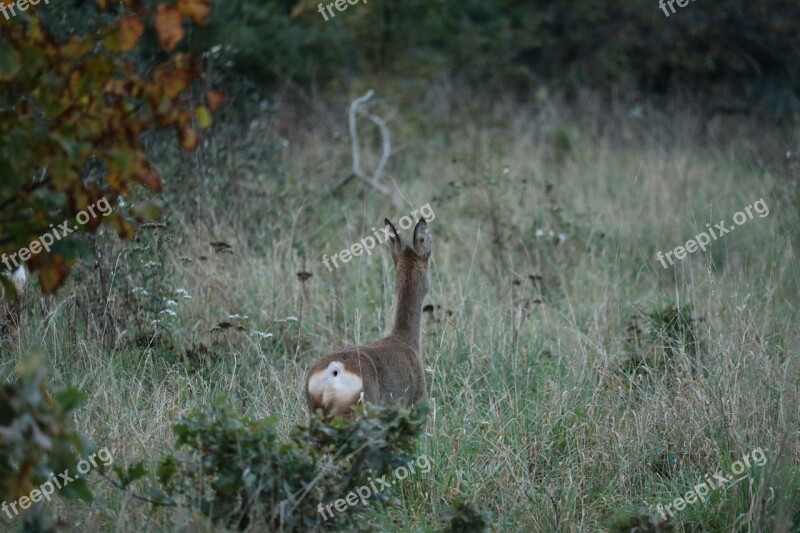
(408, 316)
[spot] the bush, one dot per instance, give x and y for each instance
(237, 470)
(37, 439)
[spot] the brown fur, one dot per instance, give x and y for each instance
(389, 369)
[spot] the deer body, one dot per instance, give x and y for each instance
(388, 370)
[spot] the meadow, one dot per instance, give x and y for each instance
(574, 382)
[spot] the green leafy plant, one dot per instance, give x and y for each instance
(461, 516)
(37, 437)
(239, 471)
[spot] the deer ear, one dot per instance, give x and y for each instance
(422, 239)
(395, 244)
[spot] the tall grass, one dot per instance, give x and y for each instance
(545, 408)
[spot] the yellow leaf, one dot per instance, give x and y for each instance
(203, 116)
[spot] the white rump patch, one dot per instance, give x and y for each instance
(19, 278)
(337, 387)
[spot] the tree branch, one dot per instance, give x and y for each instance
(386, 152)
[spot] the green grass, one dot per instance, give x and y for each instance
(536, 414)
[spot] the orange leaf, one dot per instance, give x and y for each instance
(143, 173)
(150, 180)
(214, 98)
(197, 10)
(169, 27)
(173, 82)
(189, 139)
(130, 29)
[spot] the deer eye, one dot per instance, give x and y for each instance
(335, 373)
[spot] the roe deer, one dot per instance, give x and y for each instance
(9, 322)
(389, 369)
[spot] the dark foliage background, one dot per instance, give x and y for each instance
(738, 50)
(741, 52)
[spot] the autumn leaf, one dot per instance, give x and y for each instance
(203, 116)
(169, 27)
(174, 81)
(214, 98)
(197, 10)
(127, 35)
(144, 174)
(189, 139)
(123, 227)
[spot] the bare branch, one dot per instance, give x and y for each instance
(357, 171)
(354, 132)
(387, 148)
